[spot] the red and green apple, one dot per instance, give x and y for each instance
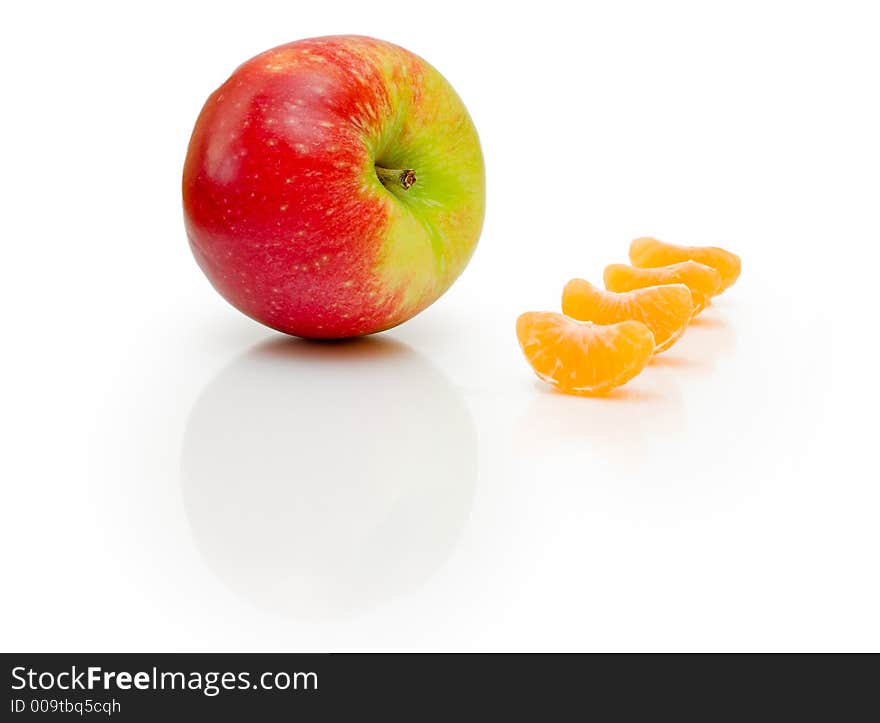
(333, 187)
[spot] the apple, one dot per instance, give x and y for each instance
(333, 187)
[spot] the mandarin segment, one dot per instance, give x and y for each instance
(665, 310)
(648, 252)
(703, 281)
(581, 357)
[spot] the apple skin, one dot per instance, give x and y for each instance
(283, 207)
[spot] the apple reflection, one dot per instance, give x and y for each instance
(323, 478)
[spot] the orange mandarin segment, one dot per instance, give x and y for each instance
(702, 280)
(649, 252)
(665, 310)
(583, 358)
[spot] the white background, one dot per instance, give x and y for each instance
(176, 477)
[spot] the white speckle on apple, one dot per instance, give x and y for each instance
(283, 207)
(300, 148)
(348, 284)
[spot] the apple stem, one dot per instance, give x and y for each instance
(395, 177)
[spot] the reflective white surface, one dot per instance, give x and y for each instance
(175, 477)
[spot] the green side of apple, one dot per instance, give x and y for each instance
(434, 225)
